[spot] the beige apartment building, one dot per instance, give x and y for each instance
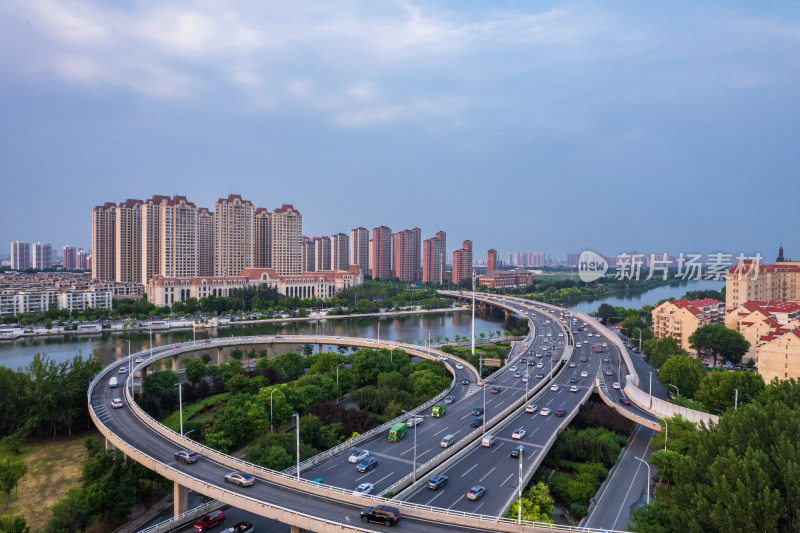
(262, 255)
(764, 325)
(287, 235)
(178, 247)
(234, 235)
(779, 356)
(103, 247)
(322, 254)
(340, 252)
(128, 241)
(432, 256)
(777, 283)
(680, 318)
(309, 263)
(205, 242)
(359, 249)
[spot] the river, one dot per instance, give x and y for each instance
(637, 300)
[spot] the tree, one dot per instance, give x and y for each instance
(13, 524)
(75, 512)
(659, 350)
(721, 341)
(683, 371)
(195, 370)
(606, 313)
(666, 463)
(306, 349)
(11, 471)
(718, 391)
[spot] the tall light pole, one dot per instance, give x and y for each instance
(650, 390)
(270, 409)
(736, 399)
(666, 430)
(519, 489)
(676, 388)
(337, 374)
(180, 403)
(150, 326)
(648, 476)
(485, 418)
(297, 417)
(130, 361)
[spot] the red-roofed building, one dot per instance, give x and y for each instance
(778, 356)
(777, 283)
(680, 318)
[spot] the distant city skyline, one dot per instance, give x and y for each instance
(543, 126)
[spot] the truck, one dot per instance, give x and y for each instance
(439, 410)
(397, 431)
(597, 348)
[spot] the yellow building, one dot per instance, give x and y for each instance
(776, 283)
(680, 318)
(779, 356)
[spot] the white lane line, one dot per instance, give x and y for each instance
(438, 493)
(497, 447)
(487, 473)
(381, 479)
(503, 484)
(470, 470)
(440, 431)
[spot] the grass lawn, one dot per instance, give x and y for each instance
(172, 420)
(54, 467)
(553, 277)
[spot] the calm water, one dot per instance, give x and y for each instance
(14, 354)
(651, 297)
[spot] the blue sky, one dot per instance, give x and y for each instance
(520, 125)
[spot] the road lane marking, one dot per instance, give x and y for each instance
(487, 473)
(470, 470)
(503, 484)
(438, 493)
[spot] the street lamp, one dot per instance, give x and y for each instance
(270, 408)
(666, 430)
(736, 399)
(297, 417)
(650, 389)
(648, 477)
(676, 388)
(180, 403)
(519, 489)
(337, 374)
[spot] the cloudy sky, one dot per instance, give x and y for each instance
(529, 125)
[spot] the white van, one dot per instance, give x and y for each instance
(448, 440)
(112, 383)
(488, 441)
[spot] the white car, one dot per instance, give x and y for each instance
(605, 345)
(518, 434)
(138, 360)
(584, 374)
(413, 421)
(116, 403)
(358, 456)
(513, 368)
(443, 358)
(615, 385)
(588, 334)
(531, 408)
(578, 345)
(123, 369)
(545, 411)
(363, 489)
(573, 388)
(554, 387)
(560, 334)
(459, 366)
(526, 378)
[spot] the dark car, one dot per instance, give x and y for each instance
(516, 452)
(240, 527)
(186, 456)
(609, 373)
(438, 481)
(465, 381)
(381, 513)
(573, 380)
(478, 411)
(539, 375)
(477, 422)
(625, 400)
(561, 412)
(523, 360)
(583, 359)
(214, 518)
(495, 390)
(367, 464)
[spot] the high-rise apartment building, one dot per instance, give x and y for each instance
(42, 253)
(20, 255)
(381, 257)
(340, 252)
(491, 261)
(359, 249)
(309, 255)
(128, 241)
(205, 242)
(462, 262)
(70, 257)
(103, 248)
(322, 254)
(287, 232)
(84, 259)
(178, 247)
(151, 231)
(406, 254)
(263, 247)
(234, 235)
(442, 236)
(432, 266)
(776, 283)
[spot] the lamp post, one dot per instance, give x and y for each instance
(484, 409)
(666, 430)
(150, 327)
(337, 374)
(736, 399)
(270, 409)
(648, 477)
(130, 361)
(297, 417)
(650, 389)
(519, 489)
(473, 319)
(676, 388)
(180, 404)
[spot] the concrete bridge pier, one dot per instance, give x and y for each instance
(297, 529)
(320, 348)
(180, 499)
(174, 363)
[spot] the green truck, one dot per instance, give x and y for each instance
(398, 431)
(439, 410)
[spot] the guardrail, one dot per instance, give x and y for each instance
(664, 409)
(633, 416)
(189, 515)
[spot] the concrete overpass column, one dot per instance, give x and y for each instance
(174, 363)
(219, 355)
(320, 348)
(110, 446)
(180, 499)
(297, 529)
(142, 377)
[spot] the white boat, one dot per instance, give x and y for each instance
(89, 329)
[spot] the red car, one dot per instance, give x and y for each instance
(625, 400)
(561, 412)
(214, 518)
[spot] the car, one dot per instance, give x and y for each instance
(539, 375)
(560, 334)
(517, 374)
(625, 400)
(555, 359)
(516, 452)
(459, 366)
(539, 365)
(476, 492)
(450, 399)
(538, 355)
(526, 378)
(574, 331)
(477, 422)
(609, 373)
(138, 360)
(241, 479)
(572, 364)
(367, 464)
(573, 379)
(605, 345)
(554, 387)
(415, 421)
(584, 374)
(615, 385)
(317, 481)
(531, 408)
(239, 527)
(116, 403)
(518, 434)
(573, 388)
(465, 381)
(578, 345)
(583, 359)
(478, 411)
(588, 334)
(437, 482)
(561, 412)
(523, 360)
(363, 489)
(442, 358)
(187, 456)
(123, 369)
(214, 518)
(358, 455)
(606, 359)
(494, 390)
(384, 514)
(545, 411)
(513, 368)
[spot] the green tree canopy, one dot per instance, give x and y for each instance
(658, 351)
(721, 341)
(718, 391)
(683, 371)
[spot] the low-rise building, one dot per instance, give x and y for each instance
(506, 279)
(765, 325)
(680, 318)
(779, 355)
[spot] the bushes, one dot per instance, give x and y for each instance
(588, 445)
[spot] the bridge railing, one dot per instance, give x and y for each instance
(664, 409)
(598, 387)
